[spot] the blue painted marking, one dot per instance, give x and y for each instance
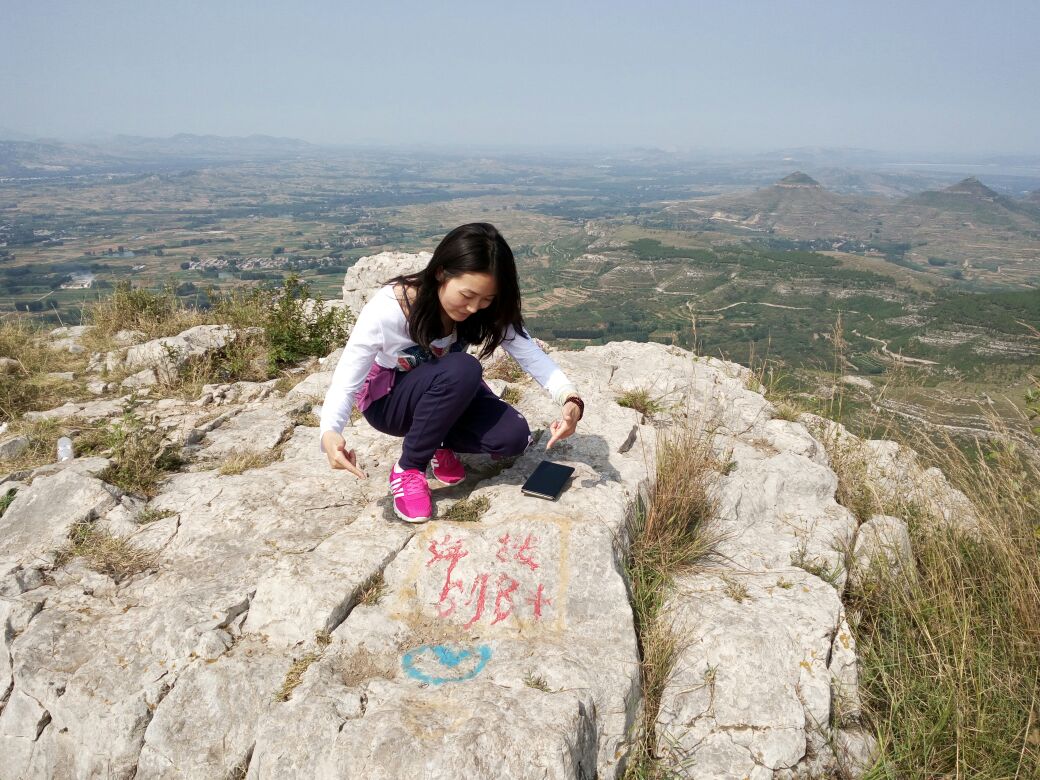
(447, 658)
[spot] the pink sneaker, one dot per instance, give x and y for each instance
(447, 468)
(411, 495)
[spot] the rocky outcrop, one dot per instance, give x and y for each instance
(288, 625)
(166, 355)
(369, 273)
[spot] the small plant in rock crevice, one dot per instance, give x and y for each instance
(467, 510)
(142, 456)
(6, 499)
(372, 592)
(149, 515)
(537, 682)
(294, 676)
(640, 400)
(107, 554)
(244, 461)
(830, 574)
(667, 534)
(512, 395)
(506, 369)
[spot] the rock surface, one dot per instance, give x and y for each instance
(289, 625)
(166, 355)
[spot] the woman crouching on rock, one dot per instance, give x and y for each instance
(406, 366)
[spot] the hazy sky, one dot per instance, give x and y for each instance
(911, 75)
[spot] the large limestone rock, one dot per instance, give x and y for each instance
(369, 273)
(41, 515)
(896, 475)
(254, 430)
(168, 354)
(289, 625)
(882, 541)
(67, 338)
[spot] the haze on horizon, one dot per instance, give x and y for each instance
(938, 77)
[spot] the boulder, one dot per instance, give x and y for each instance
(167, 355)
(13, 446)
(369, 273)
(882, 551)
(41, 515)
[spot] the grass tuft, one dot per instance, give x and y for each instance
(294, 676)
(506, 369)
(537, 682)
(243, 461)
(512, 395)
(143, 457)
(154, 313)
(153, 515)
(640, 400)
(467, 510)
(25, 386)
(306, 418)
(668, 533)
(372, 591)
(6, 499)
(110, 555)
(829, 574)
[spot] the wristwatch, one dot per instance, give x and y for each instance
(581, 404)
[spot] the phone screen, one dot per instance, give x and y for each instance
(547, 480)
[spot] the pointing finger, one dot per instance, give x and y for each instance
(350, 463)
(555, 428)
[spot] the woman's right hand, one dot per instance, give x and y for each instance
(339, 456)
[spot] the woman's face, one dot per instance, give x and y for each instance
(467, 294)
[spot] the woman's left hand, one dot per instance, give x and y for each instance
(562, 428)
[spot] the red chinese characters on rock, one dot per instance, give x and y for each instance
(491, 593)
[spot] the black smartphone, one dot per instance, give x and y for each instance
(547, 480)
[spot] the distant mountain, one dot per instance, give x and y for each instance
(129, 154)
(798, 179)
(796, 203)
(972, 187)
(208, 145)
(52, 158)
(973, 200)
(7, 134)
(968, 193)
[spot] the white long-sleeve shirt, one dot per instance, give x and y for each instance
(380, 334)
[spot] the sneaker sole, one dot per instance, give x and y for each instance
(446, 482)
(402, 515)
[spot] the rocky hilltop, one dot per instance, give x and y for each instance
(286, 624)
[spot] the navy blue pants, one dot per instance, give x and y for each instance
(445, 403)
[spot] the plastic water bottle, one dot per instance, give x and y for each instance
(65, 449)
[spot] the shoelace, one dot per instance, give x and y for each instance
(447, 459)
(410, 481)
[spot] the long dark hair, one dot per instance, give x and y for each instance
(473, 248)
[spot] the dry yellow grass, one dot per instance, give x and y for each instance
(669, 534)
(104, 553)
(467, 510)
(294, 676)
(26, 386)
(949, 658)
(243, 461)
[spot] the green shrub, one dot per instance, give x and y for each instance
(141, 456)
(641, 401)
(292, 329)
